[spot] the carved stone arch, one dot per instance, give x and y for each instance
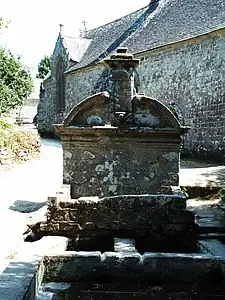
(89, 112)
(60, 85)
(153, 113)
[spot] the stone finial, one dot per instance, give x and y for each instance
(60, 27)
(85, 25)
(122, 59)
(121, 83)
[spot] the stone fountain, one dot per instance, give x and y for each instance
(128, 231)
(121, 154)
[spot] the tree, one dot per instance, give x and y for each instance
(44, 67)
(3, 23)
(16, 83)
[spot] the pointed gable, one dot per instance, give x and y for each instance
(76, 47)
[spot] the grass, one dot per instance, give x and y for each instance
(17, 144)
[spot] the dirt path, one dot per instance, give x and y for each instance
(197, 173)
(25, 188)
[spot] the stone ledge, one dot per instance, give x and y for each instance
(23, 276)
(161, 267)
(22, 279)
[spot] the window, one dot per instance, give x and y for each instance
(60, 86)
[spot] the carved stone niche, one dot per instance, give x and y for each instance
(109, 153)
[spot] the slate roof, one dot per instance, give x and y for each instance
(103, 36)
(163, 22)
(175, 20)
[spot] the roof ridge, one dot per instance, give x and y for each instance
(70, 37)
(151, 8)
(115, 20)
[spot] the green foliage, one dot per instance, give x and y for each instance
(44, 67)
(16, 83)
(3, 23)
(4, 125)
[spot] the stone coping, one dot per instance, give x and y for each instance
(158, 200)
(173, 193)
(23, 277)
(156, 267)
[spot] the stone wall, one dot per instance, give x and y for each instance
(81, 84)
(191, 74)
(188, 76)
(46, 109)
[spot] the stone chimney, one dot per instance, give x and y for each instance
(121, 80)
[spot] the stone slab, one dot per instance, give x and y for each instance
(215, 247)
(155, 200)
(157, 267)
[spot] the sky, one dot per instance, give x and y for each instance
(34, 25)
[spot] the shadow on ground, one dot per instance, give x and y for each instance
(198, 173)
(49, 142)
(215, 177)
(191, 163)
(26, 206)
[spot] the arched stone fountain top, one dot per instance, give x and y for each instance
(86, 107)
(147, 115)
(118, 110)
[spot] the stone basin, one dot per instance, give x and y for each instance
(121, 274)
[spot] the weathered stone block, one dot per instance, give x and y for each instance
(163, 268)
(156, 222)
(127, 212)
(169, 268)
(71, 266)
(111, 174)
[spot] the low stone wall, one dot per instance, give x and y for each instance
(156, 222)
(155, 267)
(200, 274)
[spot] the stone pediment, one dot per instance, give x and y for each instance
(151, 113)
(147, 113)
(90, 112)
